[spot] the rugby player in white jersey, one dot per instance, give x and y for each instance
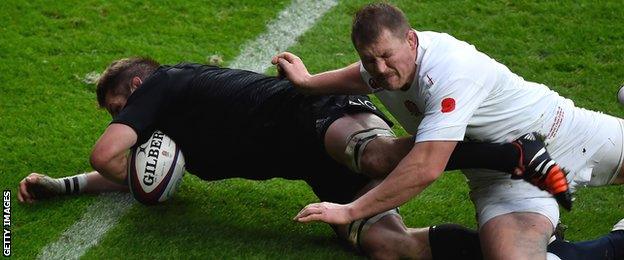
(443, 91)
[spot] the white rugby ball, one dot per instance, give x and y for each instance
(621, 95)
(155, 169)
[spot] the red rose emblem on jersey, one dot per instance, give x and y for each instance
(372, 83)
(448, 105)
(411, 107)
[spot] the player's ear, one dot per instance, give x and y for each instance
(136, 82)
(411, 39)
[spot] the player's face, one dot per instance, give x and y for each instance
(115, 102)
(390, 60)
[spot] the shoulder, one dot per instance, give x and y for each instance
(451, 59)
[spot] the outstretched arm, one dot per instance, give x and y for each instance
(108, 159)
(37, 186)
(346, 80)
(420, 167)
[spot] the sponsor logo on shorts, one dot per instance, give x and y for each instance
(361, 102)
(6, 223)
(448, 105)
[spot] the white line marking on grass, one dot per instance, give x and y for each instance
(256, 56)
(99, 218)
(282, 33)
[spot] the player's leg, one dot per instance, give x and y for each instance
(516, 219)
(520, 235)
(386, 238)
(383, 236)
(610, 246)
(450, 241)
(619, 180)
(364, 142)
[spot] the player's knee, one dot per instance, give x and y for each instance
(384, 236)
(374, 162)
(383, 154)
(394, 244)
(382, 249)
(518, 235)
(358, 150)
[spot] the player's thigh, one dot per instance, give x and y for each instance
(620, 177)
(341, 129)
(520, 235)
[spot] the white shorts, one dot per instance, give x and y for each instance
(590, 147)
(587, 144)
(501, 195)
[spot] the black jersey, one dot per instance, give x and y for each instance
(236, 123)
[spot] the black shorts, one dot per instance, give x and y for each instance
(330, 180)
(292, 148)
(324, 110)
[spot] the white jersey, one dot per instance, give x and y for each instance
(459, 93)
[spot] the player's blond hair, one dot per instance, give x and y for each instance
(370, 21)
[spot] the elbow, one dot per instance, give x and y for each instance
(97, 161)
(429, 176)
(100, 159)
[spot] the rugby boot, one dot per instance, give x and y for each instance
(538, 168)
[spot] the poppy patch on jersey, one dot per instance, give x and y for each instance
(448, 105)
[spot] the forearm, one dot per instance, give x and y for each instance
(402, 184)
(96, 183)
(331, 82)
(114, 171)
(417, 170)
(341, 81)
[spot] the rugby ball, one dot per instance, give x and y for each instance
(155, 169)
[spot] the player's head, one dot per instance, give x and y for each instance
(120, 79)
(386, 44)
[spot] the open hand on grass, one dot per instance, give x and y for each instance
(330, 213)
(36, 186)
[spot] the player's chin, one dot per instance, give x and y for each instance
(393, 85)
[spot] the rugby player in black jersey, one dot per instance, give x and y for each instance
(239, 124)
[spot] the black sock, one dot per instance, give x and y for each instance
(451, 241)
(610, 246)
(468, 155)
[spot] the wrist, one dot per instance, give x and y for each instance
(352, 212)
(72, 184)
(307, 82)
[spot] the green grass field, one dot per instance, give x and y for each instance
(49, 118)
